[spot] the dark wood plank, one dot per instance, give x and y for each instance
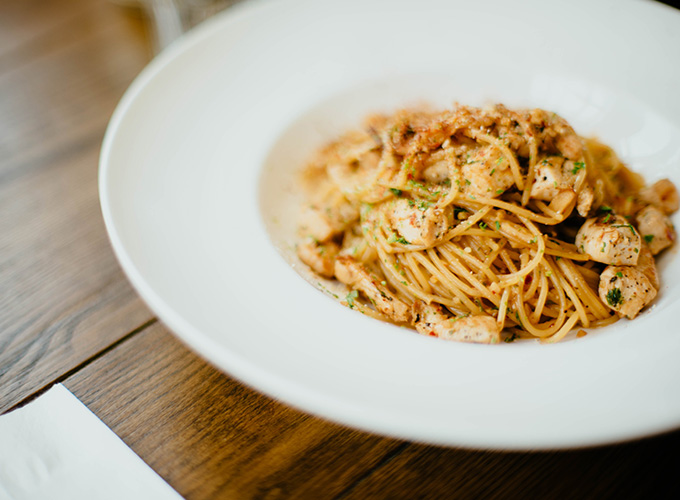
(642, 469)
(63, 297)
(210, 436)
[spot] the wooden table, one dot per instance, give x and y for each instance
(67, 314)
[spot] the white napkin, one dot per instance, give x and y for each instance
(56, 448)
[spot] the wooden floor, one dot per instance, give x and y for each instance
(67, 314)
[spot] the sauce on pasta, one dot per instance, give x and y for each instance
(484, 224)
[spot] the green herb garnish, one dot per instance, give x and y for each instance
(351, 296)
(614, 297)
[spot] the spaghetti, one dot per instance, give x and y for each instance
(484, 224)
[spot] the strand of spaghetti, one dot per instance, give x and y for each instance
(535, 330)
(604, 322)
(584, 291)
(534, 278)
(397, 281)
(477, 250)
(474, 289)
(445, 271)
(514, 278)
(514, 209)
(533, 157)
(419, 279)
(514, 165)
(450, 249)
(439, 269)
(540, 303)
(392, 270)
(555, 251)
(507, 260)
(576, 301)
(491, 257)
(571, 322)
(503, 308)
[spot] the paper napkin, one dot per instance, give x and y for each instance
(56, 448)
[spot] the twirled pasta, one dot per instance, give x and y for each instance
(484, 224)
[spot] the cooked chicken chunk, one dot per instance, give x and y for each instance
(486, 173)
(552, 128)
(431, 320)
(549, 178)
(322, 223)
(626, 290)
(647, 266)
(663, 194)
(353, 274)
(612, 242)
(419, 226)
(436, 167)
(656, 228)
(585, 201)
(320, 257)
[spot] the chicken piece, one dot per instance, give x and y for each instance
(353, 274)
(656, 228)
(322, 223)
(552, 128)
(548, 178)
(563, 202)
(585, 201)
(610, 239)
(626, 290)
(320, 257)
(553, 176)
(357, 247)
(486, 173)
(419, 226)
(436, 167)
(662, 194)
(647, 266)
(431, 320)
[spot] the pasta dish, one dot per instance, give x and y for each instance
(484, 224)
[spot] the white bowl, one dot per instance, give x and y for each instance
(198, 195)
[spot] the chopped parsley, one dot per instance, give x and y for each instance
(396, 192)
(498, 226)
(648, 238)
(619, 274)
(605, 208)
(629, 226)
(511, 338)
(397, 239)
(483, 225)
(578, 165)
(351, 296)
(614, 298)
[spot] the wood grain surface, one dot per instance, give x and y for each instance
(68, 314)
(220, 439)
(63, 67)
